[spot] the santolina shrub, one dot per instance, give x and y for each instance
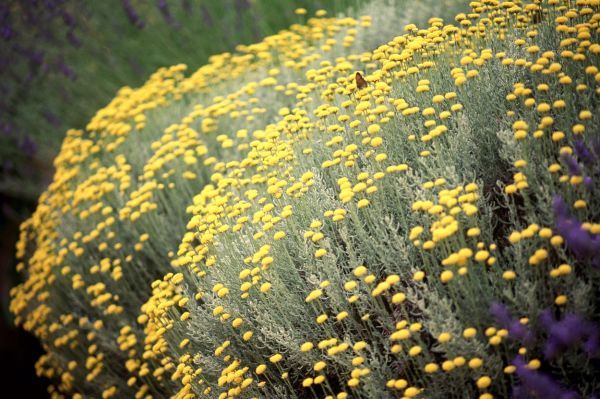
(266, 228)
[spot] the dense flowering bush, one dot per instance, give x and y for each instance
(266, 228)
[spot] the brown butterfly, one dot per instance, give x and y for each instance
(361, 83)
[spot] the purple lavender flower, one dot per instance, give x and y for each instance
(163, 7)
(52, 118)
(66, 70)
(571, 331)
(572, 165)
(584, 153)
(585, 157)
(585, 246)
(132, 15)
(562, 334)
(537, 385)
(516, 330)
(6, 30)
(68, 19)
(73, 39)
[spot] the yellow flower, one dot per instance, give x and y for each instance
(415, 351)
(373, 129)
(475, 363)
(431, 368)
(446, 276)
(307, 346)
(362, 203)
(313, 295)
(279, 235)
(444, 337)
(350, 285)
(398, 298)
(360, 345)
(411, 392)
(376, 141)
(419, 276)
(560, 300)
(276, 358)
(448, 365)
(509, 275)
(353, 382)
(260, 369)
(484, 382)
(265, 287)
(360, 271)
(342, 315)
(469, 332)
(319, 253)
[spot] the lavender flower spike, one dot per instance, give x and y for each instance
(516, 330)
(537, 385)
(571, 331)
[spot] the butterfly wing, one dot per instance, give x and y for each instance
(361, 83)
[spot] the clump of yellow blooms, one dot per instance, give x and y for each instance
(263, 227)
